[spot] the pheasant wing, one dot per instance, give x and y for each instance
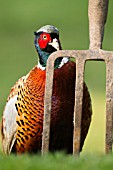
(10, 113)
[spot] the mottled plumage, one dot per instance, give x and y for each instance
(22, 121)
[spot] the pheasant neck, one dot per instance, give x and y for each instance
(43, 56)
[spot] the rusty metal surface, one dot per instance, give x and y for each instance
(81, 58)
(47, 106)
(97, 13)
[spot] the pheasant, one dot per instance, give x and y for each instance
(22, 120)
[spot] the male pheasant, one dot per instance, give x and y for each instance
(22, 121)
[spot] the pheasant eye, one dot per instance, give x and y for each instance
(44, 37)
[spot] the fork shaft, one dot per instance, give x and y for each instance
(97, 13)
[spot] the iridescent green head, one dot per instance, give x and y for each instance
(46, 42)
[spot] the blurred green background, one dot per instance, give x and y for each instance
(19, 20)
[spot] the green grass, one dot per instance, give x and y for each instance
(57, 161)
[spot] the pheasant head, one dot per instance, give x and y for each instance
(46, 42)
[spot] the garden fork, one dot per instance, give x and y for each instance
(97, 12)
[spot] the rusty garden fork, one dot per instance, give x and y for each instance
(97, 12)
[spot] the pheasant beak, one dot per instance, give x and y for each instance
(55, 44)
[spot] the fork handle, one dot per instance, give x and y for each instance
(97, 12)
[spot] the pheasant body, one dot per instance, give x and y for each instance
(30, 112)
(22, 122)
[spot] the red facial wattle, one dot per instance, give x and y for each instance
(43, 40)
